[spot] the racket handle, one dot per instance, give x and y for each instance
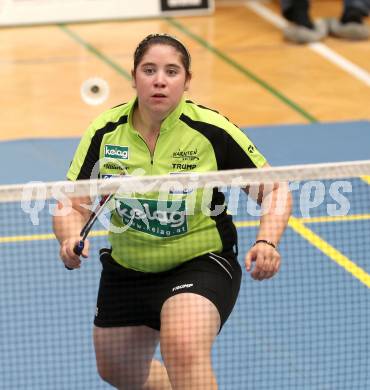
(77, 250)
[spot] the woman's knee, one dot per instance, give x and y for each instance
(189, 327)
(122, 378)
(182, 351)
(123, 355)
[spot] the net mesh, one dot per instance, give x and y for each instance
(306, 328)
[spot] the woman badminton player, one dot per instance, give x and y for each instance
(171, 277)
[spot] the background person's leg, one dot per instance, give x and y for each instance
(301, 28)
(350, 25)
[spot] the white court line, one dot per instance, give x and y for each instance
(318, 48)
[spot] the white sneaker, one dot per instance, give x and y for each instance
(353, 31)
(301, 34)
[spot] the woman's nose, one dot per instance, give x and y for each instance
(160, 79)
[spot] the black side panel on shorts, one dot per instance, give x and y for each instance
(92, 155)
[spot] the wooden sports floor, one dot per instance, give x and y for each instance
(308, 327)
(241, 66)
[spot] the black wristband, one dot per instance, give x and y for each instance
(265, 242)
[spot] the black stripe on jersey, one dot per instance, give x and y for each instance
(229, 155)
(210, 109)
(119, 105)
(228, 152)
(206, 108)
(224, 222)
(92, 155)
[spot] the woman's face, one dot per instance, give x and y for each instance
(160, 80)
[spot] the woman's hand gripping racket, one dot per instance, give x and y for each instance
(89, 224)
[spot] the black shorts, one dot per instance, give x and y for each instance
(128, 298)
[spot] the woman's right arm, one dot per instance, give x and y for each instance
(67, 224)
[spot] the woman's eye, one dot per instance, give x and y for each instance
(172, 72)
(148, 71)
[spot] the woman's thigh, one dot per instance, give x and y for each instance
(125, 351)
(189, 325)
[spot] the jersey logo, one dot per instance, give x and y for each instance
(186, 155)
(115, 166)
(116, 151)
(155, 217)
(110, 175)
(188, 285)
(180, 189)
(185, 167)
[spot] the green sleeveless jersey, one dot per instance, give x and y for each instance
(154, 232)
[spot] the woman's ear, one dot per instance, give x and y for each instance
(187, 81)
(133, 82)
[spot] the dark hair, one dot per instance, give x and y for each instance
(162, 39)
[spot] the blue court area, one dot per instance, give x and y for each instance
(307, 329)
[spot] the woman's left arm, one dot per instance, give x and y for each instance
(276, 206)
